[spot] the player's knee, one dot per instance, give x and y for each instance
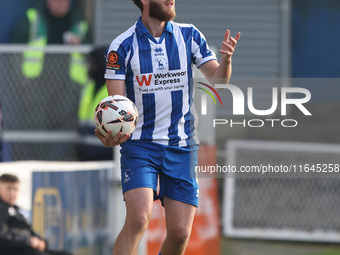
(138, 223)
(179, 234)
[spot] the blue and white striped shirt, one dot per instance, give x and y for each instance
(157, 74)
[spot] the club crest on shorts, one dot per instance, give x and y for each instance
(127, 175)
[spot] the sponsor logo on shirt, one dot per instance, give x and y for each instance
(170, 80)
(112, 60)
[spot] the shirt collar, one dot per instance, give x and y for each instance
(141, 29)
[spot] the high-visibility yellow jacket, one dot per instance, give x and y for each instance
(89, 101)
(89, 147)
(33, 61)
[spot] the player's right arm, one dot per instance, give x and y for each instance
(114, 87)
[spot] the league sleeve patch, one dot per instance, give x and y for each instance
(112, 61)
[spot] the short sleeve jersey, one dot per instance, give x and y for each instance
(158, 79)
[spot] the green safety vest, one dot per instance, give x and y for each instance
(89, 101)
(33, 61)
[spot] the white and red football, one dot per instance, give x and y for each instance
(116, 113)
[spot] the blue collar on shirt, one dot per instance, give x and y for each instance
(141, 30)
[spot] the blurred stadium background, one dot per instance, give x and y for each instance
(78, 206)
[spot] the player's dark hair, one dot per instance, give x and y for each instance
(9, 178)
(139, 4)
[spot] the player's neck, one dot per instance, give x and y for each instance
(154, 26)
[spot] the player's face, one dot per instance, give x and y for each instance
(58, 8)
(9, 192)
(163, 10)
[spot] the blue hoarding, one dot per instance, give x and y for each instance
(70, 209)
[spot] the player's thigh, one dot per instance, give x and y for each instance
(138, 166)
(139, 203)
(179, 216)
(177, 179)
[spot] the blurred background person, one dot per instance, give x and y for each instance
(16, 235)
(58, 22)
(49, 78)
(88, 147)
(55, 22)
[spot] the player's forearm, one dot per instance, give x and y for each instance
(227, 50)
(224, 70)
(115, 87)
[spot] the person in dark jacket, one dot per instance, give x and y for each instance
(89, 148)
(16, 235)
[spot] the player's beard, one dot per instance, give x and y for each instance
(157, 12)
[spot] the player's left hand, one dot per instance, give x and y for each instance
(110, 141)
(229, 44)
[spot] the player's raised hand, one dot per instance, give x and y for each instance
(229, 44)
(112, 141)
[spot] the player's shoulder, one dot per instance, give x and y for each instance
(119, 40)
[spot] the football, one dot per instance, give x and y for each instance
(116, 113)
